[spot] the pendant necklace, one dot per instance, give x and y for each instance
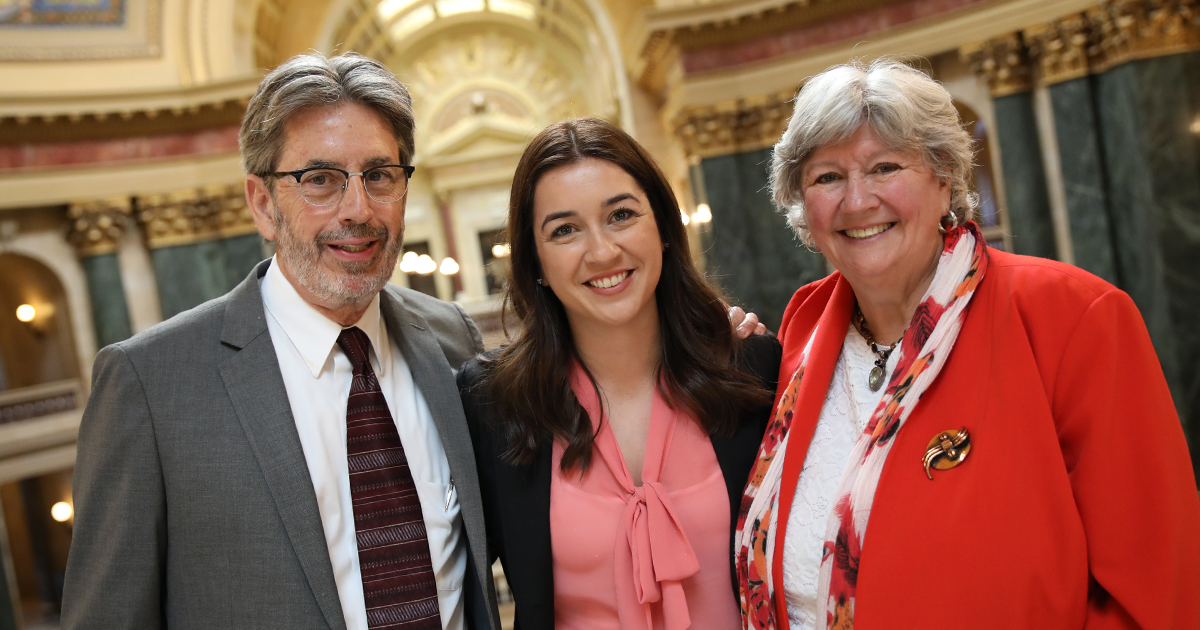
(875, 380)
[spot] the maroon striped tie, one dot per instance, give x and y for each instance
(393, 550)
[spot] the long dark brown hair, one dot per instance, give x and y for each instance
(529, 380)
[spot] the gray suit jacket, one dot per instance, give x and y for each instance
(194, 507)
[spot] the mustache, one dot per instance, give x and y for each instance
(357, 230)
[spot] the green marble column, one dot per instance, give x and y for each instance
(1153, 163)
(1026, 196)
(189, 275)
(242, 253)
(110, 312)
(1084, 181)
(752, 253)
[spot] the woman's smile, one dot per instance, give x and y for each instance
(608, 284)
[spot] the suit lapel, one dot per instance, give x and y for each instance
(255, 386)
(435, 378)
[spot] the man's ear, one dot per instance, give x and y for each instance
(262, 206)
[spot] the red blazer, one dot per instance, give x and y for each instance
(1076, 507)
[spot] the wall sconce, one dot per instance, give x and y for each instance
(449, 267)
(501, 250)
(685, 218)
(28, 315)
(703, 214)
(62, 511)
(1195, 126)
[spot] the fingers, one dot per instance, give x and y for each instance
(736, 316)
(749, 326)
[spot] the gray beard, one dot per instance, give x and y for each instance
(356, 284)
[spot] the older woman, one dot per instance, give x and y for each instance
(962, 437)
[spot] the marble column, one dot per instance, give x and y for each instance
(203, 243)
(96, 228)
(1083, 173)
(752, 254)
(1146, 109)
(1003, 63)
(1026, 198)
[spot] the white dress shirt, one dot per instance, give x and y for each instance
(317, 376)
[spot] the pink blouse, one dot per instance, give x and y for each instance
(649, 557)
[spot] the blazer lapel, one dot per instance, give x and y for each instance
(831, 334)
(255, 386)
(435, 378)
(525, 517)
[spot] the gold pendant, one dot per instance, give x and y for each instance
(947, 450)
(875, 381)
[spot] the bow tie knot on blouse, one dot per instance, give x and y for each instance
(658, 555)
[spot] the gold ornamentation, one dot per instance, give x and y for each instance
(1091, 42)
(1127, 30)
(191, 216)
(1003, 62)
(733, 126)
(1060, 49)
(97, 226)
(947, 450)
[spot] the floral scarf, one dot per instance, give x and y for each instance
(923, 351)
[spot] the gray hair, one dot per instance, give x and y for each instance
(907, 110)
(314, 80)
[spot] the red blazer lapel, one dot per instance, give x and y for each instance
(827, 346)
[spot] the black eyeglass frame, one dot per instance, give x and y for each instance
(408, 172)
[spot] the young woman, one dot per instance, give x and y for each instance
(615, 434)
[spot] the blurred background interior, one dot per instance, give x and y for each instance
(121, 198)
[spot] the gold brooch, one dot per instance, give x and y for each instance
(947, 450)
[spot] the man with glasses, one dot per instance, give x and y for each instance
(292, 454)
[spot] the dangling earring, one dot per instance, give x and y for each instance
(807, 242)
(953, 222)
(539, 281)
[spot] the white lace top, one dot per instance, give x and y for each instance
(849, 404)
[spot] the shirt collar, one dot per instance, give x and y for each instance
(313, 334)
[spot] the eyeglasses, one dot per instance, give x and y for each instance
(324, 186)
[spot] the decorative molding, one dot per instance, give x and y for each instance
(117, 107)
(1003, 62)
(97, 226)
(733, 126)
(1127, 30)
(1060, 49)
(1089, 42)
(190, 216)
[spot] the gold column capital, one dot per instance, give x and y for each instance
(97, 226)
(1002, 61)
(1127, 30)
(189, 216)
(733, 126)
(1060, 49)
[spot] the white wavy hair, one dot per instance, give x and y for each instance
(908, 111)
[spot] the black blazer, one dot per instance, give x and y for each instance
(516, 499)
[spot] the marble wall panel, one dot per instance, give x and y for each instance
(749, 250)
(110, 313)
(1026, 196)
(1084, 182)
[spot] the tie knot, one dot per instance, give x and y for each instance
(355, 343)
